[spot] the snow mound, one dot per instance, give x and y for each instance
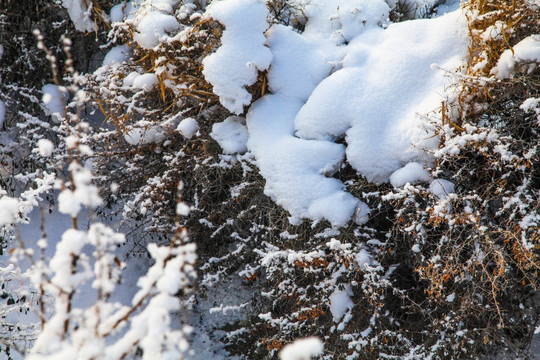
(79, 13)
(9, 209)
(154, 27)
(145, 82)
(45, 147)
(385, 82)
(243, 52)
(441, 188)
(366, 84)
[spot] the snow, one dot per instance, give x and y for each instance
(54, 101)
(145, 82)
(188, 127)
(153, 27)
(527, 49)
(243, 52)
(231, 135)
(532, 105)
(137, 136)
(45, 147)
(121, 11)
(117, 55)
(84, 193)
(9, 210)
(411, 173)
(79, 12)
(340, 302)
(302, 349)
(441, 188)
(369, 91)
(385, 81)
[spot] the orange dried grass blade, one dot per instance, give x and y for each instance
(161, 82)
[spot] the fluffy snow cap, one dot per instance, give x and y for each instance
(411, 173)
(9, 209)
(527, 49)
(188, 127)
(242, 54)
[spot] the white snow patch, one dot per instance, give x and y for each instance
(370, 91)
(242, 54)
(188, 127)
(9, 210)
(121, 11)
(79, 13)
(231, 135)
(527, 49)
(302, 349)
(45, 147)
(137, 136)
(411, 173)
(363, 259)
(385, 82)
(340, 302)
(145, 82)
(117, 55)
(153, 27)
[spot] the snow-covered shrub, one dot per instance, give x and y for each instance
(334, 197)
(42, 314)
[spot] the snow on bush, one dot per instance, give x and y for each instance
(231, 135)
(302, 349)
(9, 210)
(347, 49)
(79, 11)
(527, 49)
(242, 54)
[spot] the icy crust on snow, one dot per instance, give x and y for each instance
(346, 75)
(242, 54)
(527, 49)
